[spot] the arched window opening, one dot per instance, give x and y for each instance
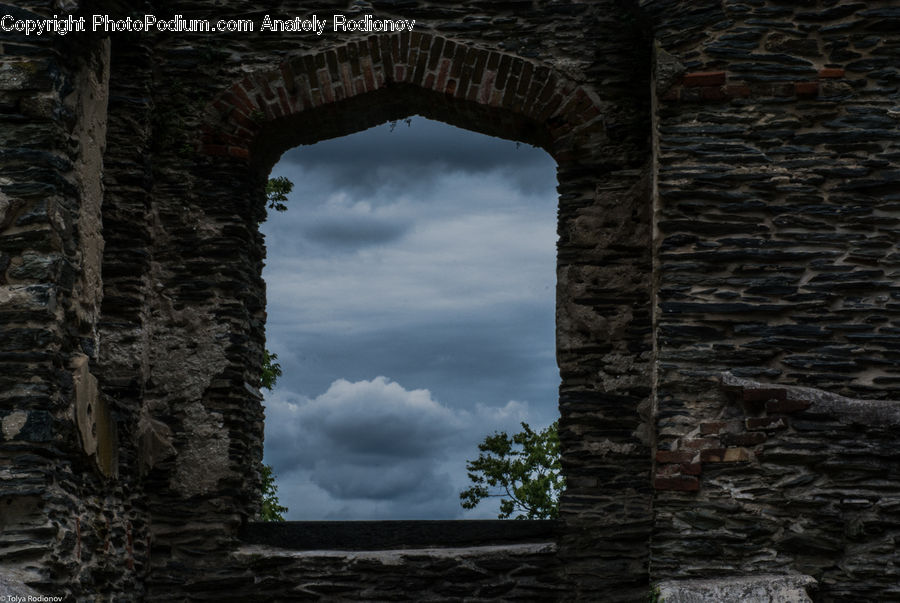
(411, 304)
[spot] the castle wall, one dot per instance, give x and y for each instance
(66, 518)
(728, 231)
(776, 246)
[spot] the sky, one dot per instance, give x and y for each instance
(411, 302)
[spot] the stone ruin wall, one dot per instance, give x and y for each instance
(777, 219)
(728, 228)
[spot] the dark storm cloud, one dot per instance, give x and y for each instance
(415, 480)
(365, 442)
(354, 232)
(417, 153)
(427, 255)
(489, 358)
(363, 422)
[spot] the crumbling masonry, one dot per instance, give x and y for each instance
(728, 316)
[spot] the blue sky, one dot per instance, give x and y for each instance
(411, 299)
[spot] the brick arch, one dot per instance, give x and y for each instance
(559, 114)
(604, 291)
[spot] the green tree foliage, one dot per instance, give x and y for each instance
(271, 370)
(277, 190)
(524, 471)
(271, 508)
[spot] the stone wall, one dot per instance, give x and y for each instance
(777, 146)
(728, 226)
(66, 517)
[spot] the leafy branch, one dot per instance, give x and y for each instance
(523, 470)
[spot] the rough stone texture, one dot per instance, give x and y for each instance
(12, 585)
(728, 204)
(777, 223)
(397, 534)
(524, 572)
(758, 589)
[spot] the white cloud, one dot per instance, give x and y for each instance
(426, 254)
(376, 449)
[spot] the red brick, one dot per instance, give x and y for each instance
(347, 78)
(238, 117)
(442, 75)
(222, 107)
(690, 468)
(434, 54)
(786, 406)
(369, 78)
(287, 74)
(421, 67)
(349, 57)
(262, 84)
(510, 92)
(285, 103)
(831, 72)
(550, 108)
(767, 423)
(240, 136)
(234, 140)
(472, 95)
(503, 71)
(684, 483)
(315, 98)
(324, 81)
(304, 96)
(672, 94)
(674, 456)
(712, 93)
(806, 89)
(704, 78)
(359, 85)
(478, 71)
(487, 86)
(395, 50)
(239, 152)
(525, 79)
(712, 428)
(263, 112)
(589, 113)
(737, 91)
(242, 101)
(215, 149)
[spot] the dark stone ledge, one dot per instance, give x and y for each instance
(386, 535)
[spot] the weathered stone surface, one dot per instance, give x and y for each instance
(12, 585)
(737, 589)
(524, 572)
(742, 219)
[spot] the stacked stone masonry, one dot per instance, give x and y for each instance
(728, 308)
